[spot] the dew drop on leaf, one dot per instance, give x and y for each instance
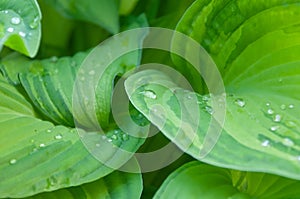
(209, 109)
(149, 94)
(291, 106)
(270, 111)
(15, 20)
(10, 29)
(283, 106)
(34, 24)
(58, 137)
(240, 102)
(274, 128)
(92, 72)
(125, 137)
(277, 118)
(42, 145)
(22, 34)
(13, 161)
(265, 143)
(288, 142)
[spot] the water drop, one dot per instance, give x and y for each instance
(125, 137)
(270, 111)
(109, 140)
(97, 145)
(288, 142)
(291, 106)
(283, 106)
(42, 145)
(114, 137)
(240, 102)
(104, 137)
(15, 20)
(206, 98)
(268, 104)
(58, 137)
(49, 131)
(117, 131)
(13, 161)
(22, 34)
(149, 94)
(265, 143)
(274, 128)
(10, 29)
(92, 72)
(6, 11)
(277, 118)
(34, 24)
(290, 124)
(209, 109)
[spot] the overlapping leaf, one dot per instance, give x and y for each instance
(204, 181)
(20, 27)
(255, 46)
(37, 156)
(114, 186)
(102, 12)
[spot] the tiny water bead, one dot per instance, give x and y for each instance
(97, 145)
(149, 94)
(92, 72)
(13, 161)
(15, 20)
(290, 124)
(291, 106)
(270, 111)
(277, 118)
(209, 109)
(34, 24)
(268, 104)
(240, 102)
(265, 143)
(125, 137)
(10, 29)
(22, 34)
(282, 106)
(288, 142)
(42, 145)
(49, 131)
(58, 137)
(274, 128)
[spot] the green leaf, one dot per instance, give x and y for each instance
(255, 46)
(116, 185)
(102, 12)
(247, 141)
(126, 6)
(205, 181)
(20, 27)
(53, 84)
(37, 156)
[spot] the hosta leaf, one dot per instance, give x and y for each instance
(50, 82)
(116, 185)
(248, 140)
(102, 12)
(20, 27)
(37, 156)
(205, 181)
(255, 45)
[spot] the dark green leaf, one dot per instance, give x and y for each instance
(101, 12)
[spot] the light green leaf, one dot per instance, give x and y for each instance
(255, 45)
(20, 27)
(126, 6)
(205, 181)
(101, 12)
(247, 141)
(114, 186)
(51, 83)
(37, 156)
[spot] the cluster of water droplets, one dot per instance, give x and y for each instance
(279, 121)
(16, 25)
(116, 137)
